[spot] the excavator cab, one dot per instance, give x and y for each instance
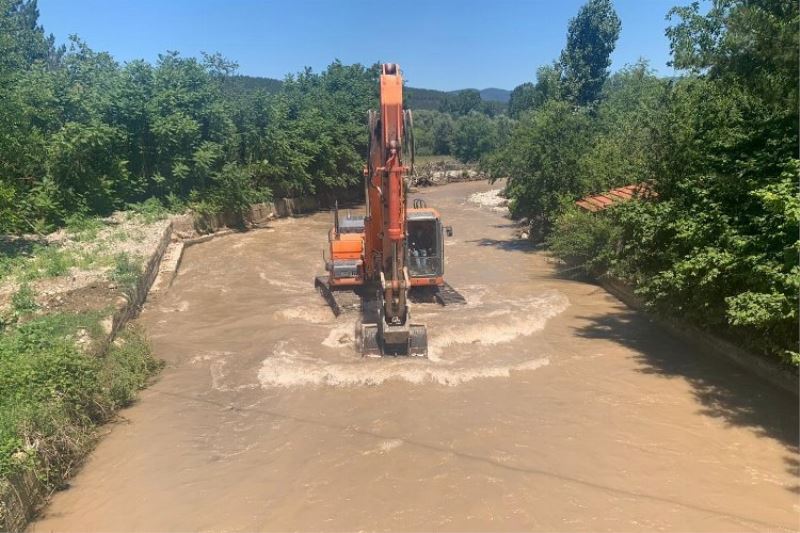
(425, 246)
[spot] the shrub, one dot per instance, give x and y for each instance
(54, 393)
(23, 301)
(126, 271)
(585, 240)
(150, 210)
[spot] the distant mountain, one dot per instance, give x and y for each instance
(493, 94)
(416, 98)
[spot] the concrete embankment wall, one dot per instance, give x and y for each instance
(707, 342)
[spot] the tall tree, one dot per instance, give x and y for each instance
(522, 98)
(591, 38)
(753, 43)
(533, 96)
(462, 102)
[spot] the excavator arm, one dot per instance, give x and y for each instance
(387, 326)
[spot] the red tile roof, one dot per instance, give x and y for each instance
(600, 202)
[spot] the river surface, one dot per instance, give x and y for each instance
(545, 405)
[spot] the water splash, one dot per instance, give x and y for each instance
(473, 332)
(288, 368)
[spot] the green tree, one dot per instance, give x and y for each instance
(531, 96)
(624, 147)
(462, 102)
(542, 161)
(591, 38)
(474, 135)
(719, 246)
(522, 98)
(433, 132)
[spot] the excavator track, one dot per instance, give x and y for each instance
(340, 301)
(447, 295)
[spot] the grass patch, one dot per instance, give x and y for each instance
(120, 235)
(23, 302)
(38, 261)
(83, 228)
(49, 262)
(149, 211)
(128, 366)
(126, 272)
(55, 393)
(41, 261)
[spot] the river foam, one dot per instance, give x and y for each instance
(469, 348)
(287, 368)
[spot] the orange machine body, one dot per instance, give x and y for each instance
(349, 248)
(346, 248)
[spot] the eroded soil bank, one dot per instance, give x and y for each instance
(545, 405)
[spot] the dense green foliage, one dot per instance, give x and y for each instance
(558, 152)
(719, 244)
(433, 132)
(493, 101)
(54, 393)
(80, 133)
(532, 96)
(584, 241)
(468, 137)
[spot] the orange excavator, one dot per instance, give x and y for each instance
(378, 262)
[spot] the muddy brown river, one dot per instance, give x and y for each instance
(545, 405)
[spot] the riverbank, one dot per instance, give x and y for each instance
(68, 360)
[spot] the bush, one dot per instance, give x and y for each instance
(150, 210)
(233, 193)
(587, 241)
(128, 365)
(126, 271)
(23, 301)
(54, 392)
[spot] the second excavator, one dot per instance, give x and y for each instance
(378, 262)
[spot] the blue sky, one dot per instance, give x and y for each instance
(443, 44)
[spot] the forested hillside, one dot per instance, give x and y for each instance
(416, 98)
(718, 146)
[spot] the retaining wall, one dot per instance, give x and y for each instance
(707, 342)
